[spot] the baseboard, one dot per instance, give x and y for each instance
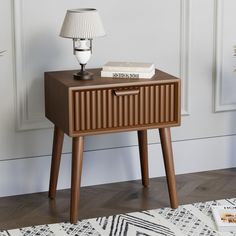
(22, 176)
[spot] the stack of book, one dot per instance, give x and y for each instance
(131, 70)
(225, 218)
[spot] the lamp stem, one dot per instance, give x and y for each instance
(82, 67)
(91, 45)
(74, 45)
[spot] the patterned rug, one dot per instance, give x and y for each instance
(193, 219)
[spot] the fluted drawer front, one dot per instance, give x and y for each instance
(125, 107)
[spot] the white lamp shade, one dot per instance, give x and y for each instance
(83, 23)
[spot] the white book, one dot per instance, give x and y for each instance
(225, 218)
(129, 75)
(115, 66)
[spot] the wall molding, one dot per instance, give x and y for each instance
(184, 53)
(218, 60)
(25, 120)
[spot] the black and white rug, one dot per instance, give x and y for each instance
(193, 219)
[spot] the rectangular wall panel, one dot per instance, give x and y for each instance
(225, 62)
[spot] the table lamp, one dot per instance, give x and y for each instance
(82, 25)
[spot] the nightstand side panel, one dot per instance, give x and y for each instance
(56, 102)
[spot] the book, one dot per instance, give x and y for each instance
(225, 217)
(114, 66)
(128, 75)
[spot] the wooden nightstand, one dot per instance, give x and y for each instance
(105, 105)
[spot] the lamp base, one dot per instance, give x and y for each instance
(83, 75)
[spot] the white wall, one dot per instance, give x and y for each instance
(182, 37)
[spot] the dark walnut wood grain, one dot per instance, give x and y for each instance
(143, 153)
(77, 162)
(105, 105)
(56, 160)
(169, 165)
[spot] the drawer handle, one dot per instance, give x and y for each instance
(126, 92)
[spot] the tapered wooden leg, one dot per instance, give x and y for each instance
(77, 161)
(165, 137)
(56, 160)
(143, 153)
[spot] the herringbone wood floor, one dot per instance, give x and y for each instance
(101, 200)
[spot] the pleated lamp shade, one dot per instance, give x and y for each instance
(82, 23)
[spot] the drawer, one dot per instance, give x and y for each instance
(125, 107)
